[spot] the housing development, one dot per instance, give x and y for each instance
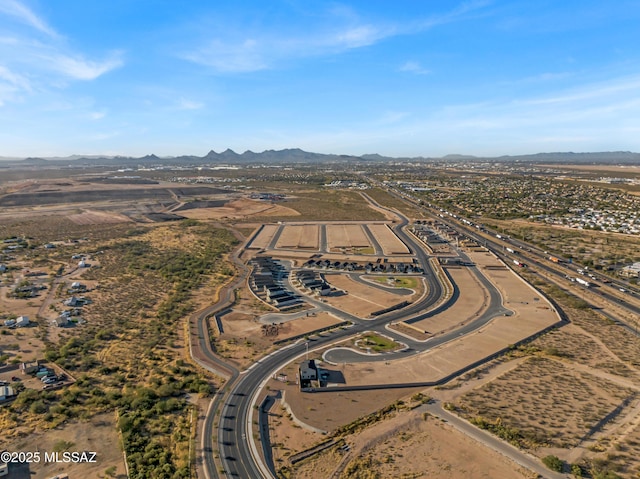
(351, 319)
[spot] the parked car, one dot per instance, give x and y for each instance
(15, 378)
(50, 380)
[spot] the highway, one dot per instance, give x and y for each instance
(535, 255)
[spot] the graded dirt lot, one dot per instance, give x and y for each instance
(242, 209)
(93, 217)
(264, 237)
(299, 236)
(472, 301)
(361, 299)
(346, 236)
(248, 333)
(387, 239)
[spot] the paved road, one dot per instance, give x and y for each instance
(275, 238)
(494, 309)
(374, 242)
(238, 450)
(239, 454)
(323, 239)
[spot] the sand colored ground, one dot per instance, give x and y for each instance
(93, 217)
(598, 168)
(387, 239)
(246, 335)
(21, 343)
(98, 435)
(346, 236)
(305, 324)
(361, 300)
(264, 237)
(299, 236)
(501, 332)
(239, 209)
(472, 301)
(436, 450)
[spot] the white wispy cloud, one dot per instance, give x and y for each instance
(31, 63)
(246, 56)
(11, 85)
(78, 68)
(19, 11)
(14, 79)
(414, 67)
(346, 30)
(590, 92)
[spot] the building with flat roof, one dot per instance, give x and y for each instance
(631, 271)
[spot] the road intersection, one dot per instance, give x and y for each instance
(237, 403)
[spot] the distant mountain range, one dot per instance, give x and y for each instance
(296, 155)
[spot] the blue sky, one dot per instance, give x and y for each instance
(402, 78)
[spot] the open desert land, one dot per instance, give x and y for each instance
(551, 407)
(406, 443)
(346, 236)
(237, 209)
(632, 169)
(361, 299)
(299, 237)
(252, 328)
(145, 274)
(96, 435)
(98, 200)
(472, 301)
(95, 217)
(332, 205)
(387, 239)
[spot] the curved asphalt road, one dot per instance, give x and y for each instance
(238, 452)
(495, 308)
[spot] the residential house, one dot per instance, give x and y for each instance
(308, 370)
(61, 321)
(631, 271)
(22, 321)
(30, 367)
(6, 393)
